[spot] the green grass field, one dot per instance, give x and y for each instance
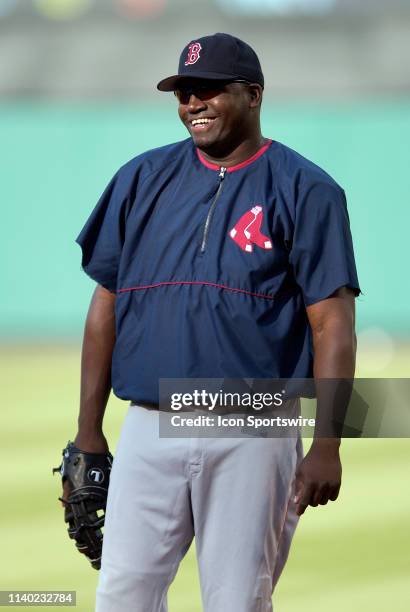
(349, 555)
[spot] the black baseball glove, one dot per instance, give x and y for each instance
(88, 476)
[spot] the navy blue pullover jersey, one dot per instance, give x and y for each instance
(213, 268)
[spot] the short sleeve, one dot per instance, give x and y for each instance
(322, 253)
(102, 237)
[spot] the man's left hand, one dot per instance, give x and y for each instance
(319, 475)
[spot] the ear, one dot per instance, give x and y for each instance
(255, 95)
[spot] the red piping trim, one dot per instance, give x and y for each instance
(140, 287)
(237, 166)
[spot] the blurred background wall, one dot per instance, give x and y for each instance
(78, 99)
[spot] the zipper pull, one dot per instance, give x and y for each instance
(222, 173)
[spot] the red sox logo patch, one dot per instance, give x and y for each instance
(247, 231)
(193, 53)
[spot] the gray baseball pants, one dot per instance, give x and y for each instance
(235, 495)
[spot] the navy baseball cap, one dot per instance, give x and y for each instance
(219, 57)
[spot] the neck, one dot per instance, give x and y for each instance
(234, 154)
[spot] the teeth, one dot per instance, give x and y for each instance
(196, 121)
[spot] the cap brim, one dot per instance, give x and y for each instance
(170, 83)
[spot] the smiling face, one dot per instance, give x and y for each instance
(219, 115)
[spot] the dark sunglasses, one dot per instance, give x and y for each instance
(203, 91)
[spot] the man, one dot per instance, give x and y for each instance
(226, 255)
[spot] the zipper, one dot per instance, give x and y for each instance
(221, 177)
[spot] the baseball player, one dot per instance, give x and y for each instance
(225, 255)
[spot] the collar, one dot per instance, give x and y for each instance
(248, 161)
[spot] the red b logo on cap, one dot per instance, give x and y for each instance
(193, 53)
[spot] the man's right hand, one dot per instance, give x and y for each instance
(96, 358)
(89, 443)
(85, 471)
